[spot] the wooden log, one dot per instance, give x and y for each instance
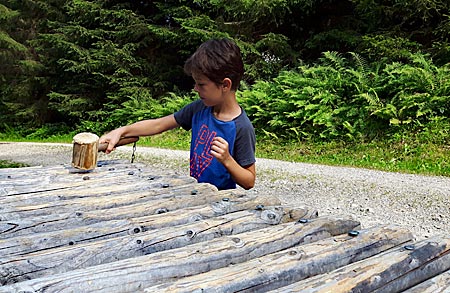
(45, 187)
(438, 284)
(16, 181)
(63, 221)
(65, 236)
(36, 171)
(133, 191)
(392, 271)
(106, 229)
(291, 265)
(133, 275)
(175, 188)
(63, 259)
(87, 186)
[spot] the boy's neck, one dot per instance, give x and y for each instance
(228, 110)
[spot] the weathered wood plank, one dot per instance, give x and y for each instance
(84, 182)
(438, 284)
(392, 271)
(175, 189)
(104, 166)
(104, 200)
(115, 228)
(79, 188)
(65, 236)
(63, 259)
(55, 221)
(16, 181)
(291, 265)
(132, 275)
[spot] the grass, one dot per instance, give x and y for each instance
(9, 164)
(426, 159)
(414, 156)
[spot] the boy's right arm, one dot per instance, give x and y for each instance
(141, 128)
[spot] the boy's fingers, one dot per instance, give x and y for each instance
(219, 139)
(110, 148)
(218, 147)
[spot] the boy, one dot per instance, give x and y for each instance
(223, 138)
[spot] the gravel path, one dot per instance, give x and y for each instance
(419, 203)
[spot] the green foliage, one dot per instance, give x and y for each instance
(96, 65)
(143, 106)
(387, 48)
(9, 164)
(49, 131)
(23, 87)
(346, 98)
(416, 92)
(95, 58)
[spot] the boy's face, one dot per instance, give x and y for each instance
(209, 92)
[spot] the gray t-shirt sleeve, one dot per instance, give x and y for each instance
(244, 147)
(185, 114)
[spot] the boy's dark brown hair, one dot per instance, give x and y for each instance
(217, 59)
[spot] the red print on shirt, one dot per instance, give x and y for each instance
(201, 157)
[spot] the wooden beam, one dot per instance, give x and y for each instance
(174, 189)
(79, 217)
(66, 234)
(438, 284)
(17, 181)
(84, 185)
(63, 259)
(88, 188)
(392, 271)
(291, 265)
(132, 275)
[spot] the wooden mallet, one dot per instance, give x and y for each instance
(86, 148)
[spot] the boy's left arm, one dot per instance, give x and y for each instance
(243, 176)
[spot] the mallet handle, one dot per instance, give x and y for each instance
(123, 141)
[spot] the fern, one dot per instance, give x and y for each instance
(333, 59)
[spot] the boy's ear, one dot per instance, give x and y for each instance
(226, 84)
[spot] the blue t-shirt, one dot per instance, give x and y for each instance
(239, 133)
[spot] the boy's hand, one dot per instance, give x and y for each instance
(111, 139)
(219, 149)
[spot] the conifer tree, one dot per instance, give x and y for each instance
(23, 75)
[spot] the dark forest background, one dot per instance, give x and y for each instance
(351, 70)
